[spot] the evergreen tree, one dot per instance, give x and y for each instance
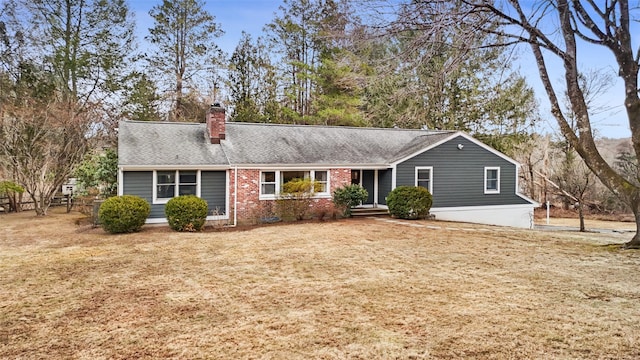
(142, 99)
(252, 82)
(446, 79)
(86, 43)
(184, 50)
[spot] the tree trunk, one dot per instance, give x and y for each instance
(634, 243)
(581, 216)
(41, 204)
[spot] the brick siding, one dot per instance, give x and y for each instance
(249, 205)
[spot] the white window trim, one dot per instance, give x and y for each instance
(491, 191)
(430, 168)
(325, 193)
(157, 200)
(312, 176)
(277, 187)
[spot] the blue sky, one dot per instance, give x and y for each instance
(251, 16)
(234, 16)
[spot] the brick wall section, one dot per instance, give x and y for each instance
(248, 201)
(248, 193)
(340, 178)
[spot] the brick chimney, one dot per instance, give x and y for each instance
(216, 123)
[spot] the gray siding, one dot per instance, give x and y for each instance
(140, 183)
(458, 175)
(214, 190)
(384, 185)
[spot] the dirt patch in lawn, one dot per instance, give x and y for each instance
(364, 289)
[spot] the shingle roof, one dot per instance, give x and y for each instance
(249, 143)
(164, 143)
(144, 143)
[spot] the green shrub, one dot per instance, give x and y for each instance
(294, 202)
(123, 214)
(186, 213)
(349, 196)
(409, 202)
(13, 192)
(7, 187)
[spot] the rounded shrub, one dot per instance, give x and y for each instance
(349, 196)
(409, 202)
(123, 214)
(186, 213)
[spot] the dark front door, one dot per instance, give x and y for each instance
(366, 179)
(368, 182)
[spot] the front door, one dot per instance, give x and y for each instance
(366, 179)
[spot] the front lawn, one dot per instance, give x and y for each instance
(363, 289)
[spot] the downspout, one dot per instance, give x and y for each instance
(235, 187)
(120, 181)
(235, 196)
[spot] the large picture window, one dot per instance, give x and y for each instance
(271, 181)
(169, 184)
(424, 177)
(491, 180)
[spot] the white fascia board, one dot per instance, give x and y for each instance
(173, 167)
(488, 148)
(424, 149)
(312, 166)
(449, 138)
(524, 197)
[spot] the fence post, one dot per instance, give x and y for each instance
(94, 213)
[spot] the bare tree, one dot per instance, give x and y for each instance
(533, 154)
(40, 146)
(553, 29)
(574, 181)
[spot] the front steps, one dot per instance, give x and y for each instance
(361, 212)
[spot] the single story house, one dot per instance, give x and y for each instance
(239, 167)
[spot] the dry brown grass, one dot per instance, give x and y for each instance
(357, 289)
(569, 218)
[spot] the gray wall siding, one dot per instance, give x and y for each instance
(214, 190)
(458, 175)
(384, 185)
(140, 183)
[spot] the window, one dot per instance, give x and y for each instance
(271, 181)
(268, 183)
(188, 183)
(424, 177)
(286, 176)
(491, 180)
(166, 184)
(321, 179)
(169, 184)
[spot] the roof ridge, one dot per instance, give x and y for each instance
(162, 122)
(243, 123)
